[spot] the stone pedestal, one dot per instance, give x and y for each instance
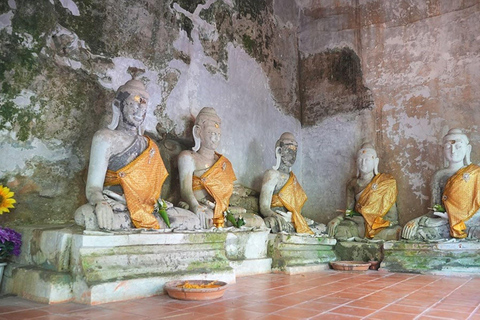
(292, 254)
(452, 257)
(65, 264)
(359, 251)
(247, 252)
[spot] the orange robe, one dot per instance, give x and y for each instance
(292, 197)
(141, 181)
(375, 201)
(461, 198)
(218, 181)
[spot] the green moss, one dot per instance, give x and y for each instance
(249, 44)
(34, 17)
(190, 6)
(252, 8)
(4, 7)
(89, 25)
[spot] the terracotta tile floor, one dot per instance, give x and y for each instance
(323, 295)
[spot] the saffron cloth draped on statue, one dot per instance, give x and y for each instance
(292, 197)
(141, 181)
(461, 198)
(218, 181)
(375, 201)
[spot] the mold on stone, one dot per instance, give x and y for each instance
(332, 83)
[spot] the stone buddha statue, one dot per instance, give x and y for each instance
(126, 171)
(282, 197)
(455, 196)
(206, 177)
(371, 202)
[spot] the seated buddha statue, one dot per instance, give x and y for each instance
(206, 177)
(455, 196)
(126, 172)
(282, 197)
(371, 210)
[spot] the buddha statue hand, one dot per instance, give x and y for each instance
(287, 216)
(183, 205)
(205, 214)
(207, 203)
(410, 229)
(333, 224)
(442, 215)
(104, 214)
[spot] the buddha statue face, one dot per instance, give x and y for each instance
(207, 131)
(456, 147)
(134, 109)
(286, 148)
(130, 105)
(210, 134)
(367, 160)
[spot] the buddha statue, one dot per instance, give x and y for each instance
(206, 177)
(457, 187)
(282, 197)
(371, 202)
(126, 172)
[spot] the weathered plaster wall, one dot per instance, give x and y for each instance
(63, 60)
(421, 62)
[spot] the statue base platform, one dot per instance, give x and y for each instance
(366, 250)
(449, 257)
(65, 263)
(293, 254)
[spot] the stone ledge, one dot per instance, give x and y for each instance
(457, 257)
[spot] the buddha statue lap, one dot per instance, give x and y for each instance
(126, 172)
(371, 203)
(282, 197)
(457, 188)
(207, 177)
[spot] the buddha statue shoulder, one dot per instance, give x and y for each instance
(455, 196)
(126, 172)
(371, 210)
(282, 197)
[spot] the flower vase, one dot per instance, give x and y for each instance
(2, 267)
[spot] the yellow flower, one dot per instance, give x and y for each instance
(6, 199)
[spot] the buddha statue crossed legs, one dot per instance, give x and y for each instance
(457, 187)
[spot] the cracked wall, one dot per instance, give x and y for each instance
(63, 60)
(420, 61)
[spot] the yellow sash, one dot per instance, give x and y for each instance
(218, 181)
(141, 181)
(292, 197)
(375, 201)
(462, 198)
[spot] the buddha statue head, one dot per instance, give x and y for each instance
(206, 130)
(286, 150)
(456, 147)
(367, 160)
(130, 105)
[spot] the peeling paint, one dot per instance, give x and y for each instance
(71, 6)
(19, 153)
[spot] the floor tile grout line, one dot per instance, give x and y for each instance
(403, 297)
(442, 299)
(376, 279)
(474, 311)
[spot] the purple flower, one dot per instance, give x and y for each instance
(10, 243)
